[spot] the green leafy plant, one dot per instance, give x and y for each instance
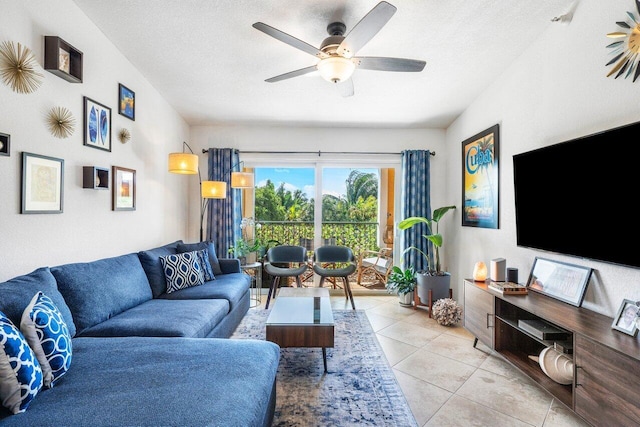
(401, 281)
(243, 247)
(435, 239)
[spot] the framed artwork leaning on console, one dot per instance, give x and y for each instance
(625, 320)
(560, 280)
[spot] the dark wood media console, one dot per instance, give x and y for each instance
(606, 386)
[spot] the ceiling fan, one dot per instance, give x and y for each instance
(337, 52)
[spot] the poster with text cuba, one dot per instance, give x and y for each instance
(480, 179)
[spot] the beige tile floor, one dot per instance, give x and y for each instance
(445, 380)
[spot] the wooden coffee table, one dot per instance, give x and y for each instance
(302, 317)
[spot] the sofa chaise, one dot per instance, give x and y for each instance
(142, 356)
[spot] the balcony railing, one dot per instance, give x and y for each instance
(358, 236)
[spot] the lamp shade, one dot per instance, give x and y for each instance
(336, 69)
(480, 272)
(183, 163)
(241, 180)
(214, 189)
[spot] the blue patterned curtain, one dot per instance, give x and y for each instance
(223, 215)
(416, 201)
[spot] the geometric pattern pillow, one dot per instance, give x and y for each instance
(182, 271)
(20, 373)
(47, 334)
(203, 257)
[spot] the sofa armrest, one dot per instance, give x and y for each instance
(229, 265)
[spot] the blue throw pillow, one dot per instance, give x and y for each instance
(15, 295)
(203, 257)
(211, 249)
(20, 373)
(182, 271)
(48, 336)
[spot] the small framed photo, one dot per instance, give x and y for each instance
(42, 184)
(126, 102)
(625, 320)
(5, 141)
(64, 60)
(481, 179)
(123, 189)
(560, 280)
(97, 125)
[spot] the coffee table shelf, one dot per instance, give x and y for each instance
(302, 317)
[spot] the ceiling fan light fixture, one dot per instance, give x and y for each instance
(336, 69)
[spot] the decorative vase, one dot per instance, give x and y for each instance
(439, 286)
(406, 300)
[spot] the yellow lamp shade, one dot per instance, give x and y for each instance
(214, 189)
(480, 272)
(241, 180)
(183, 163)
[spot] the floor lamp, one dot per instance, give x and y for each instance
(187, 164)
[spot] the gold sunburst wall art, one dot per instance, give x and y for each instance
(18, 68)
(124, 135)
(61, 122)
(626, 50)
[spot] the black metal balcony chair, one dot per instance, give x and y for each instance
(285, 261)
(335, 261)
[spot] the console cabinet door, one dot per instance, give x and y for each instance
(607, 390)
(479, 312)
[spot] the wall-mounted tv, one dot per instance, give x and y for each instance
(580, 197)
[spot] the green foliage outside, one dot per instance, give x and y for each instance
(351, 219)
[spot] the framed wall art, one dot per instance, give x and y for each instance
(123, 189)
(97, 125)
(560, 280)
(42, 184)
(481, 179)
(126, 102)
(625, 320)
(5, 147)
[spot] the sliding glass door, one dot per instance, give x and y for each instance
(319, 204)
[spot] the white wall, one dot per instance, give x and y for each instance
(557, 90)
(87, 229)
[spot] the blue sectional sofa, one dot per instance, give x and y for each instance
(145, 357)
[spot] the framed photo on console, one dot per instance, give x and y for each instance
(625, 320)
(560, 280)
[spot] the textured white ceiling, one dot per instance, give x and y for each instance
(209, 62)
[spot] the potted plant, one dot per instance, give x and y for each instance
(434, 279)
(403, 283)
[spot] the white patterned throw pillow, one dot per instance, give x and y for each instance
(47, 334)
(182, 271)
(20, 373)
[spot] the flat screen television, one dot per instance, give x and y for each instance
(579, 197)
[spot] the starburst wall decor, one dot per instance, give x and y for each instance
(61, 122)
(18, 67)
(626, 51)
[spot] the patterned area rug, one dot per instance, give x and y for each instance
(359, 389)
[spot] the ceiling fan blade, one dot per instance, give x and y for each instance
(389, 64)
(290, 40)
(364, 30)
(345, 88)
(291, 74)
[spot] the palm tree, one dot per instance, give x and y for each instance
(361, 184)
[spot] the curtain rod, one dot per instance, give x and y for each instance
(319, 153)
